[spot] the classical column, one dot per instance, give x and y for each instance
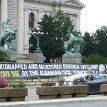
(78, 22)
(20, 37)
(3, 11)
(26, 31)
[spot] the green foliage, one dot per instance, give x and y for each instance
(54, 30)
(89, 46)
(4, 56)
(100, 37)
(95, 46)
(95, 59)
(20, 84)
(32, 43)
(63, 23)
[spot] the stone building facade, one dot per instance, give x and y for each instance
(25, 14)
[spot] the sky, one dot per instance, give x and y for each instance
(94, 15)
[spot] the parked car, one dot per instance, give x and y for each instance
(92, 80)
(94, 84)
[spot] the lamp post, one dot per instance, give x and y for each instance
(37, 56)
(37, 34)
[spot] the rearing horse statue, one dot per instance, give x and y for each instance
(72, 45)
(7, 37)
(68, 45)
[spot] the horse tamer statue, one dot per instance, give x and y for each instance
(7, 36)
(72, 45)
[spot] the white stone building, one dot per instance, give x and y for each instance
(24, 15)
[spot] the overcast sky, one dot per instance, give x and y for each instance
(94, 15)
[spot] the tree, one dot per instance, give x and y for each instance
(95, 48)
(100, 37)
(88, 44)
(54, 30)
(32, 43)
(48, 39)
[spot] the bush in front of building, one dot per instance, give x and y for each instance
(4, 57)
(95, 59)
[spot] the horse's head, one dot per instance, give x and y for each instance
(15, 30)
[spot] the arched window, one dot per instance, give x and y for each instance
(31, 20)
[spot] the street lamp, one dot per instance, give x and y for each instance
(37, 34)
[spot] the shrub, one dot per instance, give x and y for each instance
(96, 59)
(4, 56)
(20, 84)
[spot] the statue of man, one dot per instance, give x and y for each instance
(77, 45)
(8, 41)
(5, 27)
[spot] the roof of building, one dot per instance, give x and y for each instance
(75, 3)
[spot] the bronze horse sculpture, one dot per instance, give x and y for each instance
(72, 45)
(7, 36)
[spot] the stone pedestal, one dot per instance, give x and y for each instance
(23, 58)
(36, 57)
(72, 59)
(30, 58)
(12, 55)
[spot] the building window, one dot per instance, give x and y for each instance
(31, 21)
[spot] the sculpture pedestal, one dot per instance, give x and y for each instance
(36, 57)
(72, 59)
(12, 55)
(30, 58)
(23, 58)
